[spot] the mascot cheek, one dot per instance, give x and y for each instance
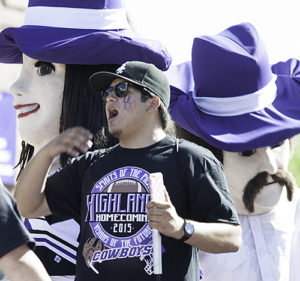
(38, 101)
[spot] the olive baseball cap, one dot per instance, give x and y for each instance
(142, 74)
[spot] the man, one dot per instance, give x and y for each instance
(108, 191)
(248, 120)
(58, 54)
(17, 259)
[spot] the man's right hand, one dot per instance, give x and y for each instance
(71, 141)
(30, 188)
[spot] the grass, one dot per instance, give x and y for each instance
(294, 164)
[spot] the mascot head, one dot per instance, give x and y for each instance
(60, 44)
(243, 108)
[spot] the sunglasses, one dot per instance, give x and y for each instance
(121, 90)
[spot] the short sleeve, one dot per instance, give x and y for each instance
(63, 188)
(206, 185)
(63, 192)
(13, 232)
(219, 205)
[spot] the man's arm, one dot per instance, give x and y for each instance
(22, 264)
(208, 237)
(30, 187)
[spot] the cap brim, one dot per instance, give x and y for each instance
(100, 81)
(74, 46)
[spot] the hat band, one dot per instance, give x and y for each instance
(76, 18)
(239, 105)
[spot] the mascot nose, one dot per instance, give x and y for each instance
(268, 161)
(17, 89)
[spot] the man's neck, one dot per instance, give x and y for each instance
(143, 140)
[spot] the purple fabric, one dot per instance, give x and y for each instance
(181, 76)
(27, 224)
(8, 121)
(80, 46)
(90, 4)
(248, 131)
(55, 246)
(218, 60)
(288, 85)
(72, 46)
(225, 77)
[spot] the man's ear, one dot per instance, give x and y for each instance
(154, 104)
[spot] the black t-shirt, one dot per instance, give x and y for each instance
(109, 192)
(13, 232)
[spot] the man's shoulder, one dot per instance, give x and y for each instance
(193, 149)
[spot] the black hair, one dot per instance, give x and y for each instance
(81, 106)
(167, 123)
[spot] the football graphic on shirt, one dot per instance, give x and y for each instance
(125, 186)
(91, 245)
(117, 208)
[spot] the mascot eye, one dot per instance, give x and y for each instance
(277, 145)
(44, 68)
(247, 153)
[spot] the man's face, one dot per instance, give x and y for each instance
(244, 167)
(125, 115)
(38, 96)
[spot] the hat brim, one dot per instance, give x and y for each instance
(74, 46)
(100, 81)
(265, 127)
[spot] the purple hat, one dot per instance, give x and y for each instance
(234, 103)
(79, 32)
(288, 85)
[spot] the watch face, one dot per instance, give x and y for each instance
(189, 229)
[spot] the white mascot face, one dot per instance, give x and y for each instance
(242, 167)
(38, 96)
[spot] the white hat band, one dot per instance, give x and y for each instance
(233, 106)
(76, 18)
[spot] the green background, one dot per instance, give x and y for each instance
(294, 165)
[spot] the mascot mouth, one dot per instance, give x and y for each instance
(26, 109)
(255, 185)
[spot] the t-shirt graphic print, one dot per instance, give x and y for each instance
(117, 215)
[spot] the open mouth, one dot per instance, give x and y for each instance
(112, 113)
(25, 110)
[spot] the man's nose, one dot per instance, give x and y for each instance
(111, 96)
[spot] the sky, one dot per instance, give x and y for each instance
(176, 23)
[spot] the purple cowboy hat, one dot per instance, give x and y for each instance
(288, 85)
(79, 32)
(234, 103)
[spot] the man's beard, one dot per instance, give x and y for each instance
(255, 185)
(115, 133)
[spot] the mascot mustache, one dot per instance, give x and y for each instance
(255, 185)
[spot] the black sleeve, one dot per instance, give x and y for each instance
(13, 232)
(63, 188)
(208, 193)
(63, 193)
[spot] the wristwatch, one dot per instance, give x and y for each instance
(188, 229)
